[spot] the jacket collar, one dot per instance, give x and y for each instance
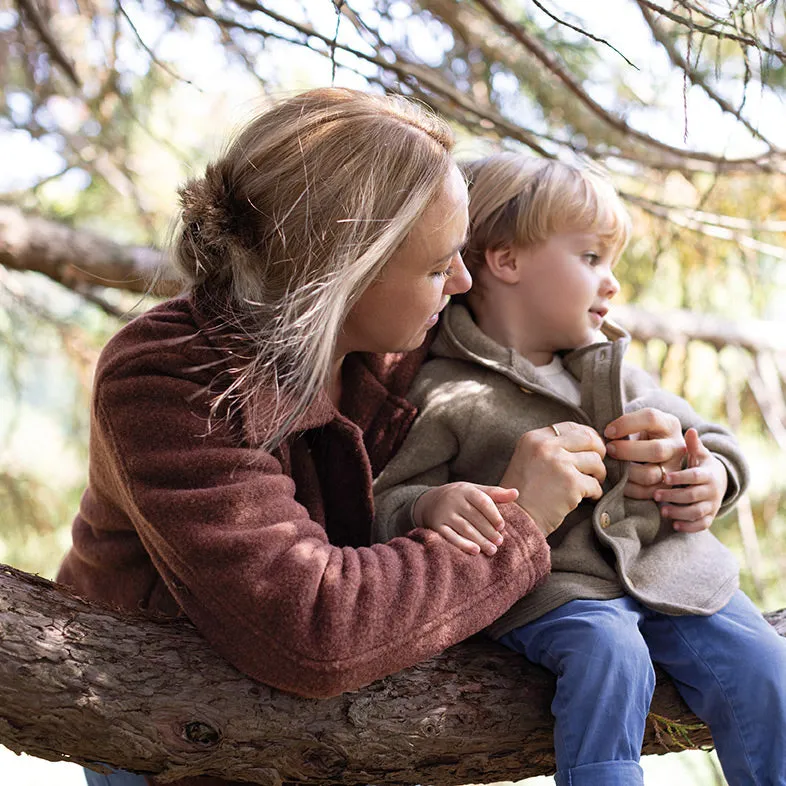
(460, 338)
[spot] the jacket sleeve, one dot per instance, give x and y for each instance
(421, 463)
(257, 577)
(446, 405)
(645, 392)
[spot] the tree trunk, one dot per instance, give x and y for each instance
(88, 684)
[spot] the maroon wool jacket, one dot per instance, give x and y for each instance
(269, 554)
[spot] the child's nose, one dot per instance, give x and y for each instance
(610, 285)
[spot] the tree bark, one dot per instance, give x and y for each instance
(76, 258)
(85, 683)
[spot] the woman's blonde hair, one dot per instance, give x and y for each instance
(289, 227)
(522, 201)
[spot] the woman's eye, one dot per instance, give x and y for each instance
(444, 273)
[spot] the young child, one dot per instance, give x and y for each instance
(636, 575)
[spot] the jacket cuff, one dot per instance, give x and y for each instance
(733, 489)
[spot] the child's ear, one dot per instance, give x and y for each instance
(503, 264)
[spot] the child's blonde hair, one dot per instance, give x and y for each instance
(522, 201)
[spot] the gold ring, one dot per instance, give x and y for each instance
(556, 430)
(662, 473)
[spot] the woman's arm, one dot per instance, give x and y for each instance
(240, 554)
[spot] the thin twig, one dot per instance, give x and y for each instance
(582, 31)
(709, 30)
(151, 54)
(551, 62)
(696, 78)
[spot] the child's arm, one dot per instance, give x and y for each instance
(700, 488)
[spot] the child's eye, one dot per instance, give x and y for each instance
(592, 258)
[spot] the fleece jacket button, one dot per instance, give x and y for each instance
(605, 520)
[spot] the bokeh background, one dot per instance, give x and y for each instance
(107, 105)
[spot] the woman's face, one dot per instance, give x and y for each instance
(395, 312)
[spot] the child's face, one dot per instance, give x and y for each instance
(565, 287)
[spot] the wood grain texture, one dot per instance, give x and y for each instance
(84, 683)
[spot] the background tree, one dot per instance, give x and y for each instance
(106, 105)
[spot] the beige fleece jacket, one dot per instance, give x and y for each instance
(476, 398)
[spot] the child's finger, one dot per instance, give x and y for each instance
(477, 527)
(487, 496)
(689, 477)
(693, 526)
(451, 536)
(684, 495)
(473, 526)
(682, 513)
(696, 449)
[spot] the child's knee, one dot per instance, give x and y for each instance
(613, 653)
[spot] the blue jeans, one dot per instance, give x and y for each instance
(729, 667)
(114, 778)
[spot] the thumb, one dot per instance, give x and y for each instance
(499, 494)
(695, 447)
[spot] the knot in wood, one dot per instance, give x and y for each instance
(200, 733)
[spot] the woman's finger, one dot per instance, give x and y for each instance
(575, 437)
(590, 488)
(695, 447)
(645, 475)
(637, 491)
(647, 451)
(654, 422)
(590, 463)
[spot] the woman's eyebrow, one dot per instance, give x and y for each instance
(455, 249)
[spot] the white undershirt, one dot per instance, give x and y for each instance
(561, 380)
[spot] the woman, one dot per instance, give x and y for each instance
(235, 430)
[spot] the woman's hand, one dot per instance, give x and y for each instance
(653, 440)
(553, 469)
(465, 514)
(701, 487)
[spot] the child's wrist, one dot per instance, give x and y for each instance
(417, 510)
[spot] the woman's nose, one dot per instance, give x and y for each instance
(460, 280)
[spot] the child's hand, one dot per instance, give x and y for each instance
(465, 514)
(694, 507)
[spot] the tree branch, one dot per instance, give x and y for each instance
(76, 257)
(28, 8)
(149, 695)
(766, 162)
(696, 78)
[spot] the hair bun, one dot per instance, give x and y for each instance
(211, 217)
